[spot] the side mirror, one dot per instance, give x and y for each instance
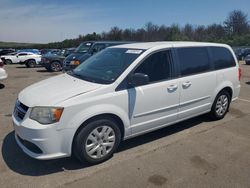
(138, 79)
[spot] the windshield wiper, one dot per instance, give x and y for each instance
(72, 73)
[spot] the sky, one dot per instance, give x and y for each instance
(42, 21)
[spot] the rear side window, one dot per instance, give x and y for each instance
(157, 66)
(193, 60)
(22, 54)
(222, 58)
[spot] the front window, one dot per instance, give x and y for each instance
(106, 66)
(84, 47)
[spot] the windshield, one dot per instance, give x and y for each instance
(84, 47)
(106, 66)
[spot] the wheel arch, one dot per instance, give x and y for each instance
(228, 86)
(31, 59)
(112, 116)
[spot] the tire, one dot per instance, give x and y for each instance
(55, 66)
(30, 63)
(90, 136)
(8, 61)
(221, 105)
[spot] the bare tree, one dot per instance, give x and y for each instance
(237, 23)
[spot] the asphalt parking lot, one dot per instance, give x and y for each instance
(194, 153)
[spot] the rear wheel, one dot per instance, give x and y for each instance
(97, 141)
(55, 66)
(30, 63)
(220, 105)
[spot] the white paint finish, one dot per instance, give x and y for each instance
(142, 109)
(197, 93)
(153, 104)
(3, 74)
(60, 88)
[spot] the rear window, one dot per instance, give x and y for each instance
(222, 58)
(193, 60)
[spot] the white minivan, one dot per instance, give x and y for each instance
(122, 92)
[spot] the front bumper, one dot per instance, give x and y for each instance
(45, 141)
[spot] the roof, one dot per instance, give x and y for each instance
(148, 45)
(109, 42)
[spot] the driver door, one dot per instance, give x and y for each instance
(155, 104)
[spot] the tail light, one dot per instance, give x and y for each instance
(239, 73)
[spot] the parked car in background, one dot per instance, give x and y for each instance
(74, 58)
(28, 58)
(6, 51)
(54, 62)
(247, 59)
(3, 74)
(122, 92)
(243, 53)
(35, 51)
(86, 50)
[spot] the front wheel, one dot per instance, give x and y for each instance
(55, 66)
(8, 61)
(220, 105)
(97, 141)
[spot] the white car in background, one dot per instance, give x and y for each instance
(28, 58)
(3, 74)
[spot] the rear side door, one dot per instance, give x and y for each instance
(155, 104)
(197, 81)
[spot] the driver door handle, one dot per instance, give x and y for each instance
(172, 87)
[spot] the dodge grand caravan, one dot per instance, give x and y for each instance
(121, 92)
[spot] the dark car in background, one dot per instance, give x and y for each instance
(247, 59)
(53, 61)
(35, 51)
(86, 50)
(243, 53)
(6, 51)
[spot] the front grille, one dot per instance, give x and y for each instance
(20, 110)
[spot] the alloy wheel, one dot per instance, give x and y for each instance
(100, 142)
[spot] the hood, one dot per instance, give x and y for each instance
(74, 56)
(54, 90)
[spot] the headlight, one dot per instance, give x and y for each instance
(75, 62)
(46, 115)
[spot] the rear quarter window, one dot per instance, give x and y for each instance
(193, 60)
(222, 58)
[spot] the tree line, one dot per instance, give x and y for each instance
(235, 31)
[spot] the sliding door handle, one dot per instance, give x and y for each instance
(186, 84)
